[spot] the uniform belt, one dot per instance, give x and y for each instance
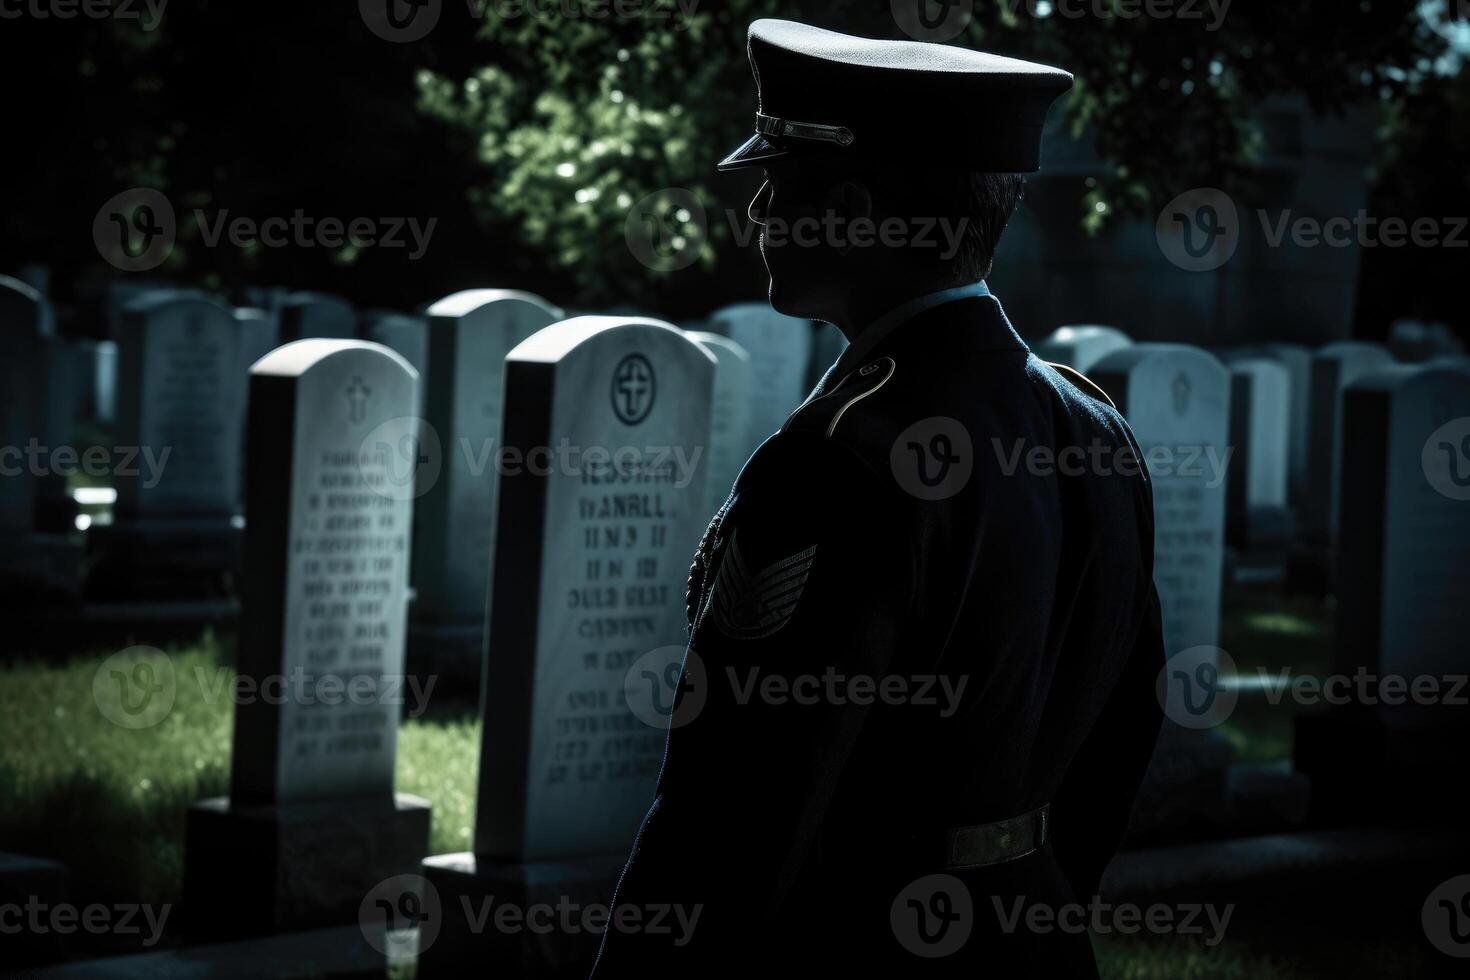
(982, 845)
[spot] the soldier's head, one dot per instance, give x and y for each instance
(841, 232)
(890, 165)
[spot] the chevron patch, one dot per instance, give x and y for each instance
(748, 607)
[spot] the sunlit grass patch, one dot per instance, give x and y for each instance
(110, 802)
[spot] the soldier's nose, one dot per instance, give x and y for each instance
(760, 205)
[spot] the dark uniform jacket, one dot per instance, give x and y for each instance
(914, 612)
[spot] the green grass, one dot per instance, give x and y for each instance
(1287, 955)
(110, 802)
(1267, 632)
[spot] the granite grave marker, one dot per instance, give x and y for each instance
(589, 578)
(470, 334)
(729, 417)
(780, 349)
(1260, 433)
(1334, 367)
(306, 314)
(312, 822)
(1081, 346)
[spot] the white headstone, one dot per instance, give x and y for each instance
(177, 394)
(470, 334)
(780, 349)
(590, 567)
(305, 314)
(1334, 367)
(1176, 398)
(406, 333)
(1297, 360)
(1260, 417)
(24, 342)
(729, 417)
(1403, 561)
(326, 573)
(1082, 345)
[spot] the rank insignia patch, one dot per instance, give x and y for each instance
(748, 607)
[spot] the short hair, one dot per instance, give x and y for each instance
(979, 204)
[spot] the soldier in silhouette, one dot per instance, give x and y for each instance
(919, 695)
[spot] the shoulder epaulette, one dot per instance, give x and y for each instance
(823, 413)
(1081, 381)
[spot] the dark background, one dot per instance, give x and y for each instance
(266, 110)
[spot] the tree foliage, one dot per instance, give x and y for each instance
(576, 120)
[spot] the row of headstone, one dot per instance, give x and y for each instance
(38, 564)
(1285, 429)
(1375, 457)
(171, 384)
(589, 556)
(1402, 571)
(1178, 401)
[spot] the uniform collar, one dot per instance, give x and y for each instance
(878, 331)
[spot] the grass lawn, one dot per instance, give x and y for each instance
(1293, 633)
(110, 802)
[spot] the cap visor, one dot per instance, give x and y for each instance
(754, 152)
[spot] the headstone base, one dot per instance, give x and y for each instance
(1186, 790)
(450, 653)
(1364, 767)
(25, 880)
(56, 510)
(1263, 527)
(39, 570)
(163, 559)
(255, 870)
(1308, 570)
(471, 890)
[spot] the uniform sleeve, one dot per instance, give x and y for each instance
(1092, 807)
(813, 578)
